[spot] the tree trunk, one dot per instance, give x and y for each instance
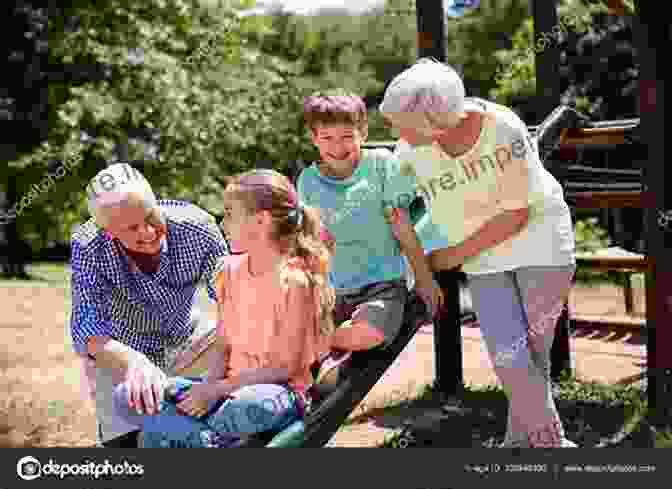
(15, 252)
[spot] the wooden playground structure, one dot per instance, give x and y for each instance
(646, 191)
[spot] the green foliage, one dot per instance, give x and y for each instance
(225, 93)
(473, 39)
(593, 415)
(218, 105)
(590, 236)
(516, 74)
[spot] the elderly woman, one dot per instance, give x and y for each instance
(136, 267)
(506, 223)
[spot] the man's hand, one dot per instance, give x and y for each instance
(146, 386)
(430, 292)
(198, 400)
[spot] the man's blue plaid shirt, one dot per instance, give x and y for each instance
(151, 313)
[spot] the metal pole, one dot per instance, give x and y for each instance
(447, 327)
(547, 57)
(547, 62)
(652, 34)
(431, 29)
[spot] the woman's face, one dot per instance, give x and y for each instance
(412, 127)
(418, 129)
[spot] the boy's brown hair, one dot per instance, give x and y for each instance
(335, 107)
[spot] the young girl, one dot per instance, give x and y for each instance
(274, 318)
(507, 225)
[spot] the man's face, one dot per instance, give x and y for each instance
(140, 230)
(340, 147)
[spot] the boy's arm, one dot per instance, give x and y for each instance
(412, 248)
(410, 244)
(400, 190)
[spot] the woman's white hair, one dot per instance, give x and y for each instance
(116, 186)
(428, 86)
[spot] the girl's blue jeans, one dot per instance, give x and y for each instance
(250, 409)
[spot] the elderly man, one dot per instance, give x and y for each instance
(136, 268)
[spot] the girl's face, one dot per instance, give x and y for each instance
(242, 228)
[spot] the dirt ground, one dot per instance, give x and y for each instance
(42, 404)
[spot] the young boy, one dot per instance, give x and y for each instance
(364, 206)
(510, 229)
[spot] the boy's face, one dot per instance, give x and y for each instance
(340, 147)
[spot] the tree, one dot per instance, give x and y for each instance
(598, 72)
(169, 85)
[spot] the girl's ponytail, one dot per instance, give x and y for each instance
(315, 245)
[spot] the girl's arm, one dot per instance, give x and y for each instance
(218, 356)
(495, 231)
(224, 387)
(218, 359)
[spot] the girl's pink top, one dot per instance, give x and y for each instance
(270, 321)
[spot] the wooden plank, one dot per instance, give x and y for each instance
(606, 199)
(613, 264)
(617, 8)
(596, 321)
(615, 259)
(609, 136)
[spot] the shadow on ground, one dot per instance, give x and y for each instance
(630, 337)
(479, 420)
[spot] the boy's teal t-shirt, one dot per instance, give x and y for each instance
(353, 210)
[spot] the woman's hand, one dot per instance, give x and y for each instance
(198, 400)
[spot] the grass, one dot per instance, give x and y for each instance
(46, 274)
(592, 278)
(594, 416)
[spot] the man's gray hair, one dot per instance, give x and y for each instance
(114, 186)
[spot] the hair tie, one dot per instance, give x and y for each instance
(296, 214)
